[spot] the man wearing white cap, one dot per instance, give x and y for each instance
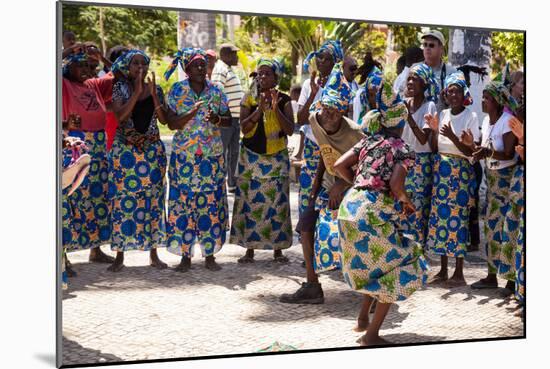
(433, 46)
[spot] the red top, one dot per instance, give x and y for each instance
(88, 100)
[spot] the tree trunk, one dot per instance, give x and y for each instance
(294, 61)
(472, 47)
(196, 30)
(102, 32)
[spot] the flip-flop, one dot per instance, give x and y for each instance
(79, 179)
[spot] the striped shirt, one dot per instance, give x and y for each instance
(229, 82)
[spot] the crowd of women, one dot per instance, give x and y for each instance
(379, 188)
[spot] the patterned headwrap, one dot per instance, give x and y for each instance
(457, 78)
(426, 74)
(184, 57)
(391, 112)
(501, 94)
(122, 63)
(274, 64)
(334, 47)
(337, 92)
(71, 59)
(374, 80)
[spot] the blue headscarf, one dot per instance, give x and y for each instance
(337, 93)
(457, 78)
(274, 64)
(71, 59)
(332, 46)
(374, 80)
(426, 74)
(184, 57)
(122, 63)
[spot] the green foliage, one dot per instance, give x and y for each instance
(372, 40)
(152, 30)
(251, 51)
(507, 47)
(405, 36)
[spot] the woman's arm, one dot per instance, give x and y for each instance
(124, 111)
(397, 187)
(433, 123)
(317, 182)
(176, 121)
(286, 118)
(249, 119)
(344, 164)
(303, 112)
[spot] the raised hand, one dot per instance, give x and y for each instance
(481, 153)
(138, 83)
(314, 86)
(265, 104)
(467, 138)
(408, 207)
(74, 122)
(520, 149)
(517, 128)
(447, 131)
(433, 121)
(93, 53)
(152, 83)
(274, 99)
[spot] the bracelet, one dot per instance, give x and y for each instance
(492, 153)
(520, 144)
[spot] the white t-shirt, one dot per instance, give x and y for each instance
(492, 135)
(400, 83)
(428, 107)
(357, 104)
(459, 123)
(304, 95)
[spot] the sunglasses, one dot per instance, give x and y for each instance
(429, 45)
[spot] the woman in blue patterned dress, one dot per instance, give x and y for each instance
(377, 259)
(453, 179)
(514, 227)
(498, 149)
(423, 91)
(261, 211)
(137, 162)
(85, 214)
(197, 202)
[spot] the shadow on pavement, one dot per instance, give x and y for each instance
(233, 276)
(404, 338)
(74, 353)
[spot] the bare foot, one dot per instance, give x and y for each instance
(362, 325)
(456, 282)
(155, 262)
(373, 341)
(184, 265)
(117, 266)
(278, 257)
(98, 256)
(210, 264)
(69, 269)
(248, 257)
(439, 278)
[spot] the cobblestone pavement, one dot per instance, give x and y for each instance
(142, 313)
